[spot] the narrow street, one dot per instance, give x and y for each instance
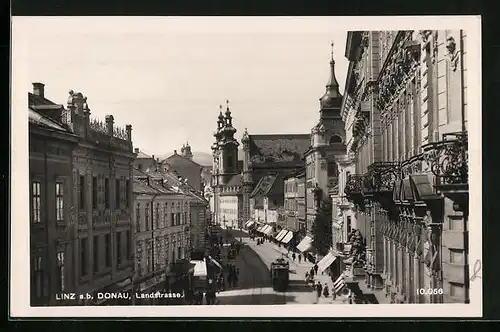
(254, 284)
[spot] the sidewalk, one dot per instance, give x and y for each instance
(268, 252)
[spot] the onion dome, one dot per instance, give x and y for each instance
(332, 94)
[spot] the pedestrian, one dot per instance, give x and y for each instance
(300, 258)
(319, 288)
(334, 294)
(311, 272)
(316, 269)
(307, 277)
(326, 291)
(293, 257)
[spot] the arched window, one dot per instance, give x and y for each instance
(335, 139)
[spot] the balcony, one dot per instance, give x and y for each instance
(354, 189)
(333, 185)
(381, 177)
(448, 160)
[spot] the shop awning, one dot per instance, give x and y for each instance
(249, 223)
(215, 262)
(200, 268)
(260, 228)
(287, 237)
(280, 234)
(339, 285)
(268, 230)
(326, 261)
(305, 244)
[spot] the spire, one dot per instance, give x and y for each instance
(228, 115)
(332, 87)
(228, 112)
(332, 82)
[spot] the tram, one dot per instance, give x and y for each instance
(280, 270)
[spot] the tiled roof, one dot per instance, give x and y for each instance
(278, 148)
(40, 119)
(264, 185)
(141, 187)
(142, 155)
(37, 100)
(180, 156)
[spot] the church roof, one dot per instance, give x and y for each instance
(176, 155)
(278, 147)
(264, 186)
(142, 155)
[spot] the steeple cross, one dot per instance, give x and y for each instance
(331, 44)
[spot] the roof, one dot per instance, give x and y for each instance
(264, 185)
(141, 187)
(278, 148)
(297, 174)
(38, 100)
(42, 120)
(180, 156)
(143, 155)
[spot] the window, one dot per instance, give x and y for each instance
(128, 246)
(172, 218)
(140, 167)
(106, 193)
(127, 193)
(118, 248)
(335, 139)
(107, 249)
(165, 215)
(157, 216)
(178, 218)
(94, 192)
(348, 225)
(60, 266)
(59, 201)
(456, 290)
(81, 184)
(117, 194)
(149, 261)
(83, 257)
(36, 196)
(39, 276)
(96, 253)
(138, 217)
(186, 218)
(456, 256)
(146, 216)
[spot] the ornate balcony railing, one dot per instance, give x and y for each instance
(448, 159)
(354, 185)
(381, 177)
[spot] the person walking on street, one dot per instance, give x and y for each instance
(311, 272)
(300, 258)
(293, 257)
(316, 269)
(319, 288)
(326, 292)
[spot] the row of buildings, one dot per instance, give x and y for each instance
(390, 154)
(103, 218)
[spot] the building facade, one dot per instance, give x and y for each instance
(52, 233)
(279, 154)
(183, 165)
(161, 232)
(100, 202)
(267, 199)
(291, 204)
(227, 178)
(405, 108)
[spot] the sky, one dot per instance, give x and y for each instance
(168, 76)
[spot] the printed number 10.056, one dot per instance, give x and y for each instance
(429, 291)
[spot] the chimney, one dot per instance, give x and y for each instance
(153, 156)
(136, 150)
(175, 151)
(39, 89)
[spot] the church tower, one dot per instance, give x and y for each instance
(228, 149)
(186, 151)
(328, 136)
